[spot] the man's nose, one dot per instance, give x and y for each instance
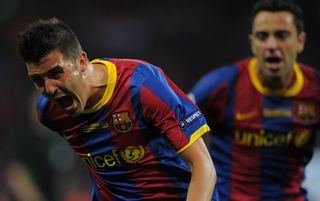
(49, 86)
(272, 43)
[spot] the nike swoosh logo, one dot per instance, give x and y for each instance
(68, 137)
(244, 116)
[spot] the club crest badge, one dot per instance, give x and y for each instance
(122, 122)
(306, 113)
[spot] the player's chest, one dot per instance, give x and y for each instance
(109, 124)
(273, 121)
(273, 111)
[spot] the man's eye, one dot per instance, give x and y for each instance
(261, 36)
(282, 34)
(55, 74)
(38, 81)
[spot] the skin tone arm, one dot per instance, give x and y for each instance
(204, 176)
(21, 184)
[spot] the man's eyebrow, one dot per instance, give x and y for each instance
(36, 75)
(283, 31)
(45, 73)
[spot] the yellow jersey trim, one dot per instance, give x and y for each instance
(196, 135)
(292, 91)
(112, 78)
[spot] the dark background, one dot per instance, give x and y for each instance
(186, 38)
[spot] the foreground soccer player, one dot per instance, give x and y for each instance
(264, 110)
(137, 132)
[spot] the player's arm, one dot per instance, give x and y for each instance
(204, 176)
(166, 106)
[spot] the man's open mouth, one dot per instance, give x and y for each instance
(65, 101)
(273, 63)
(274, 60)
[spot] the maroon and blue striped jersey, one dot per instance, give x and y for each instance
(131, 139)
(262, 139)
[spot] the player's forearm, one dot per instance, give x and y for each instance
(203, 174)
(202, 182)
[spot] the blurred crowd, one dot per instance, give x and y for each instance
(186, 38)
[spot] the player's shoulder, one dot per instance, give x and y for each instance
(225, 75)
(126, 62)
(43, 109)
(48, 112)
(308, 68)
(42, 103)
(309, 72)
(138, 66)
(227, 72)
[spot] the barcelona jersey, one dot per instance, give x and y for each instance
(131, 139)
(262, 139)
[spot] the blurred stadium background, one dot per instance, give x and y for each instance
(186, 38)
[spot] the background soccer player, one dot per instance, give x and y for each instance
(137, 132)
(264, 110)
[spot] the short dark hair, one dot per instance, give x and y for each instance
(280, 5)
(44, 36)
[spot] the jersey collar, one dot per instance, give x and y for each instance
(112, 77)
(292, 91)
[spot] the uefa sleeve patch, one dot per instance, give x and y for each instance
(190, 119)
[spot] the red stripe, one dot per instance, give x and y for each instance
(163, 118)
(103, 192)
(146, 173)
(245, 175)
(296, 154)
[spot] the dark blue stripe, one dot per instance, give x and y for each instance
(229, 75)
(220, 148)
(42, 103)
(174, 167)
(274, 158)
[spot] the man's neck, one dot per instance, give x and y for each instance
(97, 80)
(277, 83)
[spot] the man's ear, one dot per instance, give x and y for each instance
(83, 61)
(302, 40)
(250, 38)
